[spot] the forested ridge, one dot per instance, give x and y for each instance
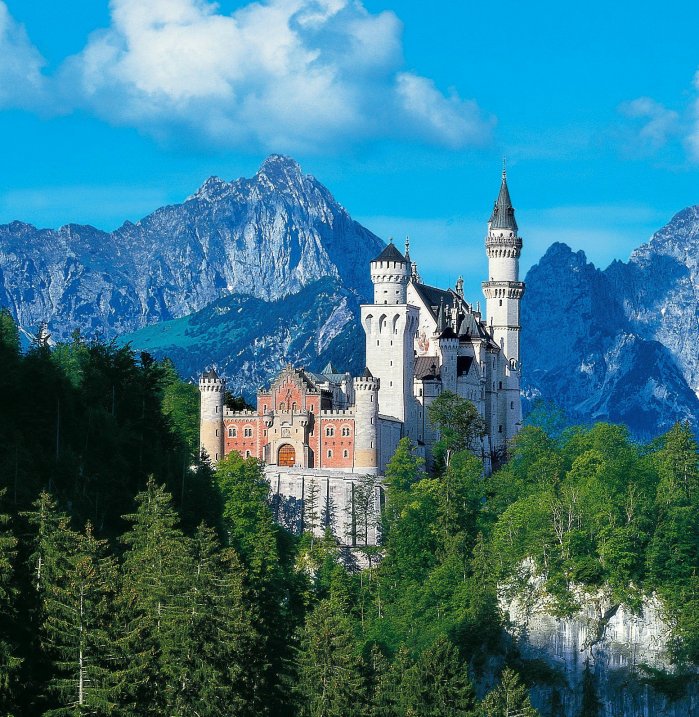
(135, 580)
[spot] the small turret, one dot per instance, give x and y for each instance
(366, 411)
(213, 391)
(390, 272)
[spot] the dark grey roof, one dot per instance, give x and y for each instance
(448, 333)
(210, 374)
(433, 297)
(367, 373)
(329, 369)
(390, 253)
(503, 216)
(426, 367)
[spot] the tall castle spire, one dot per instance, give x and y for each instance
(503, 216)
(503, 292)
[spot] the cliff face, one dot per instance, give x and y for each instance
(265, 237)
(617, 345)
(619, 648)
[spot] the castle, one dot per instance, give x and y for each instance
(319, 433)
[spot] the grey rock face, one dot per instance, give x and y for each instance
(620, 344)
(616, 645)
(266, 237)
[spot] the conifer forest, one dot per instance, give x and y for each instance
(135, 579)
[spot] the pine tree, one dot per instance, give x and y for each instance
(330, 680)
(78, 608)
(9, 660)
(153, 609)
(590, 706)
(381, 697)
(213, 672)
(438, 684)
(509, 699)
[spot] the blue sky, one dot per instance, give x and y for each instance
(403, 109)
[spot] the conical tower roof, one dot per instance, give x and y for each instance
(503, 216)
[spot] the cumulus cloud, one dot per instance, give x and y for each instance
(21, 81)
(280, 74)
(656, 123)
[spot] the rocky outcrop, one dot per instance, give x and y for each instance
(625, 652)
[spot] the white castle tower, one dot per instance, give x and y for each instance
(212, 390)
(503, 292)
(390, 325)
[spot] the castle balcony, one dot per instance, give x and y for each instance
(503, 289)
(503, 240)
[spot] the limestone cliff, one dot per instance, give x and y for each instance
(626, 653)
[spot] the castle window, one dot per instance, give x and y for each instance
(282, 406)
(310, 408)
(217, 431)
(499, 384)
(247, 432)
(329, 431)
(264, 408)
(512, 405)
(293, 406)
(330, 454)
(232, 432)
(345, 453)
(499, 429)
(247, 454)
(345, 431)
(216, 409)
(500, 302)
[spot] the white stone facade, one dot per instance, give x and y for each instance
(331, 430)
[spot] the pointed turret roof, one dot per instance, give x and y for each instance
(503, 216)
(329, 369)
(390, 253)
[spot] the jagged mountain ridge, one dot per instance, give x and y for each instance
(627, 352)
(266, 237)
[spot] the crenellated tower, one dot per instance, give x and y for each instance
(390, 324)
(503, 292)
(366, 412)
(213, 391)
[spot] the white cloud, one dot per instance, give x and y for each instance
(282, 74)
(21, 82)
(657, 123)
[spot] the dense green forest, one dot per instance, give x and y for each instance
(136, 580)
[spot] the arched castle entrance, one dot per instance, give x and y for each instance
(286, 456)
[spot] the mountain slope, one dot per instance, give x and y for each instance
(250, 340)
(619, 344)
(267, 237)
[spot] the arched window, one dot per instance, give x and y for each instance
(282, 406)
(247, 454)
(232, 432)
(293, 406)
(330, 454)
(330, 431)
(345, 453)
(345, 430)
(247, 432)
